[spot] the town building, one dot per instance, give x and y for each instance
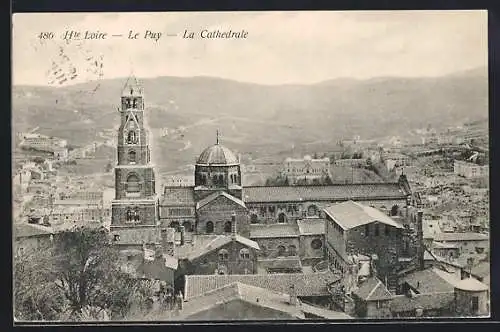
(30, 237)
(42, 142)
(354, 163)
(470, 170)
(468, 243)
(306, 170)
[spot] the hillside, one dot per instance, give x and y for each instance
(255, 120)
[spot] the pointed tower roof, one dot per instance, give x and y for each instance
(132, 87)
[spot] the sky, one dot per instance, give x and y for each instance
(281, 47)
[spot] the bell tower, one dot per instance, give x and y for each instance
(136, 201)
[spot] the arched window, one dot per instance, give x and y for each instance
(214, 179)
(187, 226)
(223, 255)
(133, 184)
(316, 244)
(131, 156)
(292, 250)
(221, 179)
(253, 218)
(227, 227)
(132, 137)
(209, 228)
(282, 218)
(134, 103)
(394, 210)
(245, 254)
(281, 250)
(312, 210)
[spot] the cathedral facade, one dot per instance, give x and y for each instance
(283, 220)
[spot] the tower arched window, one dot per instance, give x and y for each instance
(133, 183)
(131, 156)
(187, 226)
(281, 251)
(209, 227)
(282, 218)
(254, 218)
(227, 227)
(132, 137)
(221, 179)
(292, 249)
(134, 103)
(214, 179)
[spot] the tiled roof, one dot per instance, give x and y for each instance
(238, 291)
(213, 196)
(22, 230)
(428, 281)
(280, 263)
(217, 155)
(323, 193)
(220, 241)
(373, 289)
(310, 284)
(137, 235)
(322, 313)
(311, 226)
(178, 196)
(273, 231)
(197, 242)
(468, 236)
(352, 214)
(403, 303)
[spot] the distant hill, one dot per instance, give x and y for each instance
(256, 120)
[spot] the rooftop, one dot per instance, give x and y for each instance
(137, 235)
(372, 290)
(24, 230)
(311, 226)
(430, 281)
(238, 291)
(352, 214)
(217, 155)
(339, 192)
(218, 242)
(306, 284)
(215, 195)
(178, 196)
(472, 285)
(466, 236)
(403, 303)
(273, 231)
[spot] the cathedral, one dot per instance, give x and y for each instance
(269, 221)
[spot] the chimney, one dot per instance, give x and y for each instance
(233, 224)
(183, 234)
(293, 295)
(420, 241)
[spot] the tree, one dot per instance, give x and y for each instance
(84, 261)
(36, 297)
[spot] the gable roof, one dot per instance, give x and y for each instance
(214, 196)
(273, 231)
(220, 241)
(322, 313)
(340, 192)
(306, 284)
(466, 236)
(178, 196)
(403, 303)
(311, 226)
(24, 230)
(372, 290)
(351, 214)
(238, 291)
(429, 281)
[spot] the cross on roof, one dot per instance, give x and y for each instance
(217, 137)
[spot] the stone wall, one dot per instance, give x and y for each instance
(270, 246)
(219, 212)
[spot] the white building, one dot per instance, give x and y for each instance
(306, 169)
(470, 170)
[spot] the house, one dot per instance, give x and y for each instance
(470, 170)
(469, 243)
(372, 299)
(311, 240)
(355, 228)
(30, 237)
(306, 169)
(225, 254)
(310, 287)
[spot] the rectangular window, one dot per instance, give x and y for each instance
(475, 303)
(387, 230)
(376, 230)
(367, 229)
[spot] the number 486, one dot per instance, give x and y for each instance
(46, 35)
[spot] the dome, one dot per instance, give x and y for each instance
(217, 155)
(307, 157)
(471, 285)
